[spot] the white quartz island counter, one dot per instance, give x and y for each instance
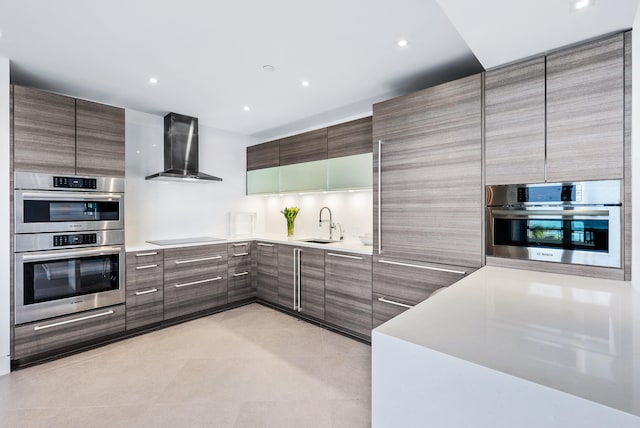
(512, 348)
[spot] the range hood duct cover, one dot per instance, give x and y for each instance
(181, 150)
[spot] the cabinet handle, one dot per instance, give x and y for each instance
(391, 302)
(241, 273)
(295, 278)
(459, 272)
(265, 245)
(202, 281)
(146, 267)
(241, 244)
(58, 324)
(240, 254)
(379, 196)
(141, 293)
(204, 259)
(299, 282)
(344, 256)
(152, 253)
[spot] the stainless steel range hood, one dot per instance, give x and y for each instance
(181, 151)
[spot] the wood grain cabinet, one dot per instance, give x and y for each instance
(350, 138)
(63, 135)
(64, 333)
(301, 285)
(306, 147)
(267, 271)
(585, 111)
(429, 151)
(515, 127)
(400, 284)
(44, 131)
(348, 291)
(145, 289)
(99, 139)
(241, 285)
(265, 155)
(195, 279)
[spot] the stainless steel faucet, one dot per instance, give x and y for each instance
(332, 225)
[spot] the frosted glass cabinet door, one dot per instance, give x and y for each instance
(261, 181)
(304, 177)
(351, 172)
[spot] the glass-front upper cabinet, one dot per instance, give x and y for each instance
(350, 172)
(304, 177)
(263, 181)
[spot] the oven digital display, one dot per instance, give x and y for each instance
(74, 182)
(547, 194)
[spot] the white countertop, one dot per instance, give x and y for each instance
(274, 238)
(573, 334)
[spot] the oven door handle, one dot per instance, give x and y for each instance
(564, 213)
(72, 196)
(59, 255)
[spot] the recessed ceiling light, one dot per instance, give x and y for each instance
(402, 43)
(268, 67)
(246, 108)
(581, 4)
(153, 80)
(305, 83)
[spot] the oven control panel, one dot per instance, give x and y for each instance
(74, 183)
(77, 239)
(559, 193)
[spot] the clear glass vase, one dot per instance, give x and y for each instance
(290, 223)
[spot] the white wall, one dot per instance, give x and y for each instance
(5, 209)
(161, 209)
(353, 210)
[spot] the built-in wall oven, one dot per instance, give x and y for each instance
(68, 244)
(578, 223)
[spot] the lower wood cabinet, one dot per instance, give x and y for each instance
(348, 291)
(399, 284)
(240, 279)
(145, 289)
(195, 279)
(64, 332)
(301, 280)
(267, 271)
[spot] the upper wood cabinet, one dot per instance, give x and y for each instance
(44, 129)
(61, 135)
(306, 147)
(99, 139)
(350, 138)
(515, 123)
(585, 111)
(430, 188)
(265, 155)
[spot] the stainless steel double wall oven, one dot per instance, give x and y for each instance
(69, 244)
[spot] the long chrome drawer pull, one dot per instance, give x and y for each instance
(241, 244)
(140, 293)
(204, 259)
(345, 256)
(265, 245)
(564, 213)
(202, 281)
(240, 254)
(153, 253)
(58, 324)
(146, 267)
(241, 274)
(391, 302)
(459, 272)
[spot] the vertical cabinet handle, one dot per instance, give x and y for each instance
(299, 282)
(295, 278)
(379, 196)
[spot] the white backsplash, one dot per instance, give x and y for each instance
(353, 210)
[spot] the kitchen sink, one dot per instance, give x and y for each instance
(319, 241)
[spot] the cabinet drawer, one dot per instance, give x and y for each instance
(143, 276)
(191, 296)
(241, 285)
(144, 306)
(137, 258)
(61, 332)
(240, 261)
(412, 281)
(236, 249)
(385, 308)
(194, 263)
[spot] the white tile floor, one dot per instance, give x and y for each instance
(248, 367)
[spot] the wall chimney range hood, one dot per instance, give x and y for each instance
(181, 151)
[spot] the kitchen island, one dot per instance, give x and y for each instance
(512, 348)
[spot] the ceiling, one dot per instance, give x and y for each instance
(208, 57)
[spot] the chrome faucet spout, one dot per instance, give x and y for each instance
(331, 225)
